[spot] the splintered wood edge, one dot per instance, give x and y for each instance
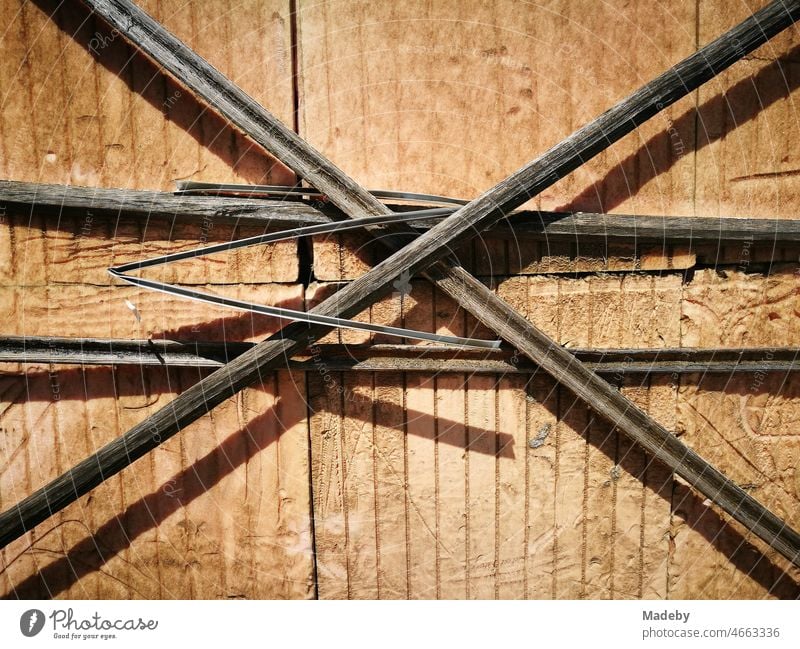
(394, 358)
(523, 224)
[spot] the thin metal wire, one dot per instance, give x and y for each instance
(298, 192)
(121, 271)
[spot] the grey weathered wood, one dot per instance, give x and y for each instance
(423, 252)
(394, 358)
(56, 200)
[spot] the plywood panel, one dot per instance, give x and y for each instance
(43, 249)
(407, 109)
(423, 486)
(220, 511)
(740, 309)
(77, 108)
(497, 486)
(743, 425)
(223, 509)
(745, 166)
(122, 312)
(451, 97)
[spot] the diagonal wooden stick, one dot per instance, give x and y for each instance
(425, 251)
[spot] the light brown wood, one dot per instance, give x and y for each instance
(653, 172)
(598, 331)
(422, 103)
(745, 163)
(602, 525)
(71, 116)
(101, 311)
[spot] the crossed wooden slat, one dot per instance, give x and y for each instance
(616, 363)
(423, 255)
(141, 205)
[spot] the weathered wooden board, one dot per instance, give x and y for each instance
(492, 488)
(745, 164)
(448, 98)
(423, 485)
(451, 97)
(223, 512)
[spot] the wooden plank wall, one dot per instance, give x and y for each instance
(222, 510)
(404, 485)
(463, 486)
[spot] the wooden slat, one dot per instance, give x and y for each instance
(141, 206)
(745, 165)
(82, 223)
(542, 173)
(79, 109)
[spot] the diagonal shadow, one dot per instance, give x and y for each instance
(740, 104)
(37, 386)
(749, 559)
(609, 180)
(337, 397)
(244, 156)
(118, 533)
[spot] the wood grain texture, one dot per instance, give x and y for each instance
(494, 474)
(647, 174)
(394, 358)
(78, 108)
(527, 182)
(745, 165)
(415, 85)
(201, 519)
(82, 222)
(587, 142)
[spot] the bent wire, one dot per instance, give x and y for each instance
(121, 271)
